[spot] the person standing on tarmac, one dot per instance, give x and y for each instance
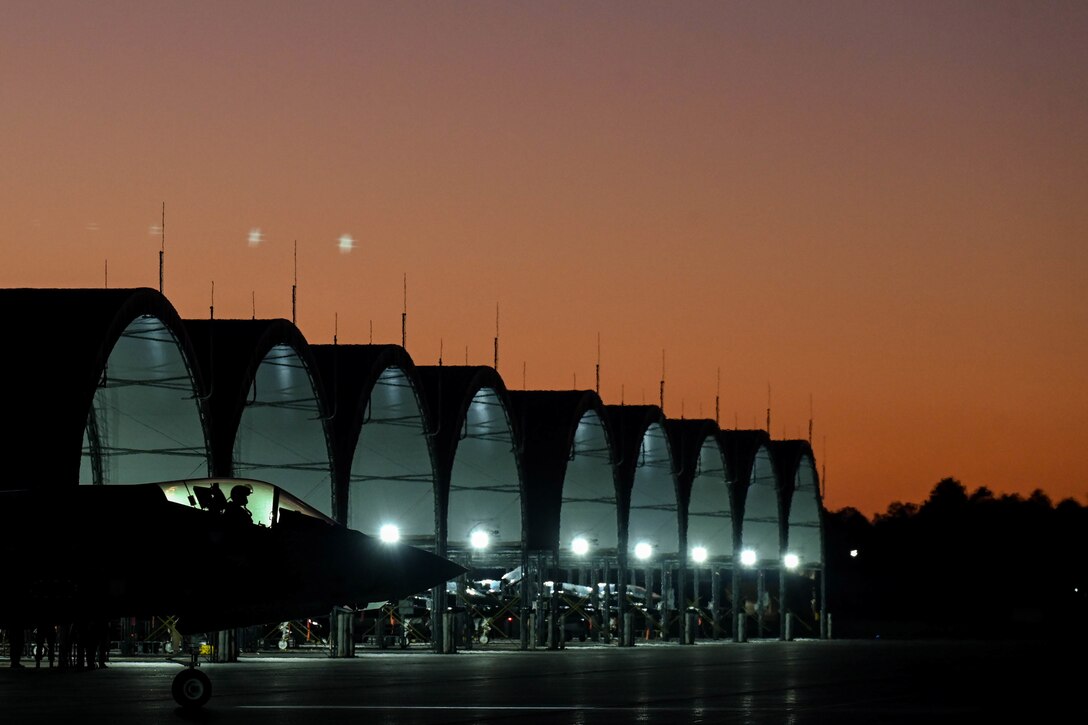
(104, 630)
(16, 642)
(45, 643)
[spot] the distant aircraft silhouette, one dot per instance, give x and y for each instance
(159, 549)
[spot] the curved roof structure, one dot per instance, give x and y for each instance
(755, 492)
(384, 460)
(477, 471)
(109, 375)
(646, 480)
(110, 386)
(566, 460)
(796, 468)
(267, 408)
(707, 509)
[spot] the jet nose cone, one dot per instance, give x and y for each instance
(388, 571)
(420, 570)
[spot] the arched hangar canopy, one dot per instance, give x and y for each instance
(703, 489)
(385, 472)
(569, 484)
(476, 459)
(102, 386)
(645, 472)
(796, 468)
(755, 492)
(268, 416)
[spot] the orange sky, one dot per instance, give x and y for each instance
(881, 205)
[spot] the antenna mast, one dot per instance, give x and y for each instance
(211, 307)
(768, 408)
(598, 388)
(253, 303)
(162, 247)
(404, 318)
(106, 274)
(294, 287)
(496, 336)
(661, 394)
(335, 327)
(810, 420)
(718, 400)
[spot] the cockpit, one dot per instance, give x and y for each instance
(269, 504)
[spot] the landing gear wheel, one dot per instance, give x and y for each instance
(191, 688)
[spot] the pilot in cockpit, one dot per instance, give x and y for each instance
(237, 511)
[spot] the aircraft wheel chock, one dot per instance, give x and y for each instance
(191, 688)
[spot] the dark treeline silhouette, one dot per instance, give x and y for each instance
(961, 565)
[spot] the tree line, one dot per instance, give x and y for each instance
(960, 564)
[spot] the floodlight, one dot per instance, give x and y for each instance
(748, 557)
(580, 546)
(643, 551)
(792, 561)
(389, 533)
(853, 553)
(479, 539)
(699, 554)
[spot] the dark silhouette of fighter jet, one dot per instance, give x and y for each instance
(97, 553)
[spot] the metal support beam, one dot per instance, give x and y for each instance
(782, 613)
(715, 601)
(738, 607)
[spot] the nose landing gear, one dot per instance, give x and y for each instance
(191, 688)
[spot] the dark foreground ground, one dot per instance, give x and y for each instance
(845, 681)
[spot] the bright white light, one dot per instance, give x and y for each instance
(479, 539)
(389, 533)
(748, 557)
(346, 243)
(698, 554)
(792, 561)
(853, 553)
(255, 236)
(643, 551)
(579, 546)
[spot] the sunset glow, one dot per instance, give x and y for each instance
(870, 216)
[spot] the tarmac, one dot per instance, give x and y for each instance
(805, 681)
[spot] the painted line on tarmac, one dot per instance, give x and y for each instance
(465, 708)
(511, 708)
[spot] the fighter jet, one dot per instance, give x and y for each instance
(184, 549)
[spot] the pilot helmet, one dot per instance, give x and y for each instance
(241, 491)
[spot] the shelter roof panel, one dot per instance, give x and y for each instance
(65, 338)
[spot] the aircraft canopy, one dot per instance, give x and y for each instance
(266, 501)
